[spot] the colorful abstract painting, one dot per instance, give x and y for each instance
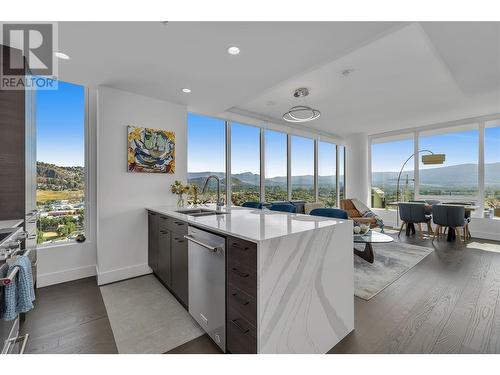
(151, 150)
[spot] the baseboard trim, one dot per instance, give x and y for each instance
(59, 277)
(485, 235)
(124, 273)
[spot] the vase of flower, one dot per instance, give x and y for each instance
(180, 200)
(178, 188)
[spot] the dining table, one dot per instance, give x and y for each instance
(469, 208)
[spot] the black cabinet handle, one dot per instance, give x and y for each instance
(152, 214)
(237, 325)
(239, 273)
(163, 218)
(239, 299)
(178, 222)
(179, 240)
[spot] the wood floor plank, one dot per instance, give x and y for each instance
(494, 342)
(426, 336)
(479, 329)
(69, 318)
(451, 337)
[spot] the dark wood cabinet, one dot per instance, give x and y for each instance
(168, 257)
(179, 262)
(164, 255)
(168, 253)
(241, 298)
(13, 127)
(153, 241)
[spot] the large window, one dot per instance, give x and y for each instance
(458, 176)
(276, 166)
(492, 164)
(245, 164)
(303, 169)
(388, 156)
(206, 153)
(207, 147)
(327, 170)
(60, 197)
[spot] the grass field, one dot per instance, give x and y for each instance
(43, 196)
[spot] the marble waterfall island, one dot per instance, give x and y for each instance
(304, 289)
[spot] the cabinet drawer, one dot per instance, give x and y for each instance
(177, 226)
(162, 222)
(242, 276)
(243, 251)
(242, 303)
(241, 336)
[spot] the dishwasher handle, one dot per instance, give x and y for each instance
(209, 247)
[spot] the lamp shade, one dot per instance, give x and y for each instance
(433, 159)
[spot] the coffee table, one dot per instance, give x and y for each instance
(368, 239)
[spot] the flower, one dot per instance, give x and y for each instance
(178, 188)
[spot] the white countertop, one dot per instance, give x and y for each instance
(251, 224)
(10, 223)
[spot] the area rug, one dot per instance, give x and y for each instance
(145, 318)
(392, 260)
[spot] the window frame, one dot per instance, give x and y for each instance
(478, 123)
(89, 177)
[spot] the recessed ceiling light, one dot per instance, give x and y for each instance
(61, 55)
(233, 50)
(186, 90)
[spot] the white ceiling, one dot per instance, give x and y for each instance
(404, 75)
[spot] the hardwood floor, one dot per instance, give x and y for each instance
(69, 318)
(448, 303)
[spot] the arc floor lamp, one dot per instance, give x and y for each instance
(429, 159)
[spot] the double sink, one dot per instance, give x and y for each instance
(196, 212)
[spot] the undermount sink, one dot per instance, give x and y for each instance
(200, 212)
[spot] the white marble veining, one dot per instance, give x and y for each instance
(252, 224)
(305, 291)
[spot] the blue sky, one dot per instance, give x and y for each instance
(459, 148)
(60, 118)
(206, 137)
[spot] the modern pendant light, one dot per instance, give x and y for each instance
(301, 113)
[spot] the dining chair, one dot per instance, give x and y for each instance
(251, 204)
(451, 216)
(336, 213)
(283, 207)
(411, 213)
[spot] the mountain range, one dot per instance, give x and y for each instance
(455, 175)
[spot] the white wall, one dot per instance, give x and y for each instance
(123, 196)
(357, 168)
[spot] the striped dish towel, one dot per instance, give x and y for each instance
(19, 294)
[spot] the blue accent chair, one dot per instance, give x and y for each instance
(453, 217)
(412, 213)
(329, 212)
(252, 205)
(283, 207)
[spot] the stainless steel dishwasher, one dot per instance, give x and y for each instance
(207, 282)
